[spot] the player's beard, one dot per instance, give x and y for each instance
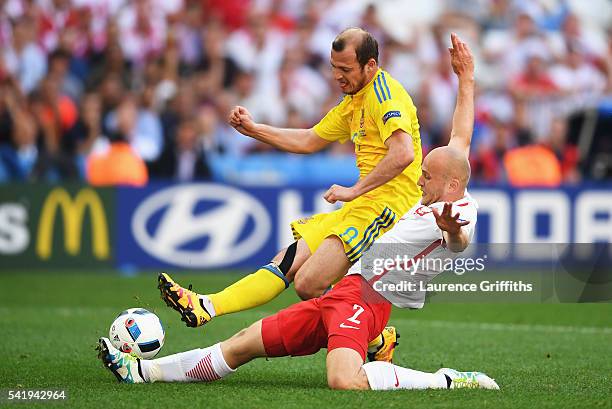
(362, 83)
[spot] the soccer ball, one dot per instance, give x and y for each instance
(137, 331)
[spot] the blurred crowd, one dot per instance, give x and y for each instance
(128, 91)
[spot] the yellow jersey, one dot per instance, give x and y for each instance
(368, 118)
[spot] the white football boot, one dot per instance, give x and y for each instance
(124, 366)
(459, 379)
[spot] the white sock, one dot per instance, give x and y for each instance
(384, 376)
(205, 365)
(208, 305)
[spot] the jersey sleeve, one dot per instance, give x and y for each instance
(334, 127)
(392, 112)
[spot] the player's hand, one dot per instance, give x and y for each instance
(461, 57)
(240, 118)
(339, 193)
(447, 222)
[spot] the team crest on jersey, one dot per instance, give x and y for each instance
(303, 220)
(391, 114)
(362, 132)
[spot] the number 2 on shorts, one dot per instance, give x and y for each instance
(354, 319)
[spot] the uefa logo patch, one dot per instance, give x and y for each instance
(391, 114)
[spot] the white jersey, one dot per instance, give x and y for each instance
(412, 253)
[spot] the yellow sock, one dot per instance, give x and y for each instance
(251, 291)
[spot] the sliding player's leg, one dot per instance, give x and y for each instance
(297, 330)
(354, 313)
(386, 376)
(251, 291)
(346, 371)
(201, 364)
(347, 346)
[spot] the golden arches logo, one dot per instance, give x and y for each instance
(73, 212)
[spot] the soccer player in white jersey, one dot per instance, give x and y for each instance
(352, 313)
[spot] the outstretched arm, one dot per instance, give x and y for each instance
(289, 140)
(455, 237)
(463, 118)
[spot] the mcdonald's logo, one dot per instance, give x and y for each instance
(73, 212)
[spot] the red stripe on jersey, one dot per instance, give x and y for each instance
(462, 204)
(419, 256)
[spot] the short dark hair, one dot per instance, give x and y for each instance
(365, 49)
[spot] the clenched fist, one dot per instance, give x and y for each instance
(240, 118)
(339, 193)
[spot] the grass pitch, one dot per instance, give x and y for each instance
(541, 355)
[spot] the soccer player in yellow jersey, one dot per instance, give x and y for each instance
(378, 116)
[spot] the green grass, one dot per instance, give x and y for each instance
(553, 355)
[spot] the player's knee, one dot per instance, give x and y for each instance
(337, 382)
(305, 288)
(342, 382)
(290, 260)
